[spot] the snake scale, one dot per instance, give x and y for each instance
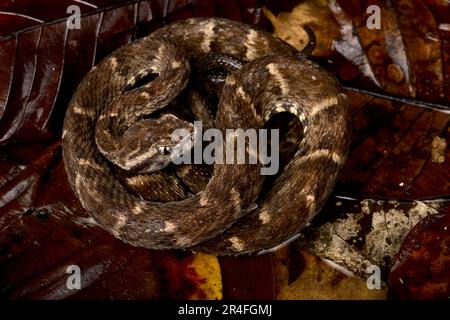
(111, 107)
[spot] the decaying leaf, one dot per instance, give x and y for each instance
(366, 233)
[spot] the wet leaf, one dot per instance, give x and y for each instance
(422, 269)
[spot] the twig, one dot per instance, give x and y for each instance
(424, 104)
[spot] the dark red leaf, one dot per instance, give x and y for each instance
(422, 270)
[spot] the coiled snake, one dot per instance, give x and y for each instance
(108, 116)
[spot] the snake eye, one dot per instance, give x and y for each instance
(165, 150)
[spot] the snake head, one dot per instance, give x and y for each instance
(147, 146)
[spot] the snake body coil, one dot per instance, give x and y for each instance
(225, 217)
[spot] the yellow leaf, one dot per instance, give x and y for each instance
(319, 281)
(209, 278)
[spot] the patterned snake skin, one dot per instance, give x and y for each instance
(111, 105)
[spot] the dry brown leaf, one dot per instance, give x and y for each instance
(318, 280)
(316, 14)
(368, 233)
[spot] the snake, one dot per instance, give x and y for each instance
(113, 136)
